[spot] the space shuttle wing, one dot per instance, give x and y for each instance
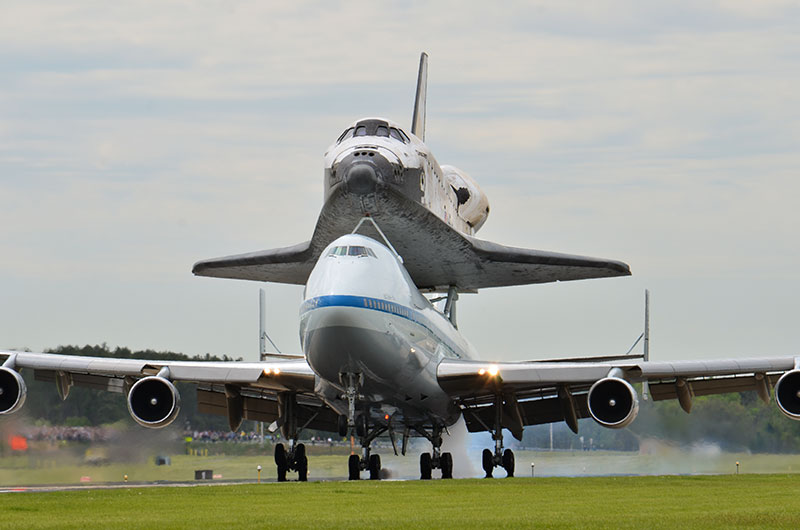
(537, 392)
(283, 265)
(500, 265)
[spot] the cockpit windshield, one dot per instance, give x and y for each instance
(354, 250)
(374, 128)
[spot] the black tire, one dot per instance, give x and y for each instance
(361, 426)
(488, 462)
(341, 424)
(353, 467)
(301, 462)
(425, 466)
(374, 467)
(446, 463)
(508, 462)
(281, 462)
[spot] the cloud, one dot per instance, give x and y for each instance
(138, 138)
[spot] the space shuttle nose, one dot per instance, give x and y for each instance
(361, 179)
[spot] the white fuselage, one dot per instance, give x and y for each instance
(362, 314)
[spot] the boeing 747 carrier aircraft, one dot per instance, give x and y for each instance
(381, 353)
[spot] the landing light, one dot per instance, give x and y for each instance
(275, 371)
(492, 371)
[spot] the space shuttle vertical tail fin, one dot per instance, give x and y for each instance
(418, 121)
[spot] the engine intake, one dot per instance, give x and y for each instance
(613, 402)
(787, 394)
(12, 390)
(154, 402)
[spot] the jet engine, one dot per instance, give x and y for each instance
(787, 394)
(473, 205)
(613, 402)
(12, 391)
(154, 402)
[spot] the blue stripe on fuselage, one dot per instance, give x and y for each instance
(376, 304)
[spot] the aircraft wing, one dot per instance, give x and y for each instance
(499, 265)
(435, 255)
(283, 265)
(538, 392)
(240, 390)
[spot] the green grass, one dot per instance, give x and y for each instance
(609, 502)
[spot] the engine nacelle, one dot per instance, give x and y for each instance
(613, 402)
(473, 205)
(154, 402)
(787, 394)
(12, 390)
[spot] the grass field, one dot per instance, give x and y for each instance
(728, 501)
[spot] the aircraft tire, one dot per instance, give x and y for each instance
(341, 425)
(301, 462)
(281, 462)
(374, 467)
(488, 462)
(425, 466)
(508, 462)
(353, 467)
(446, 461)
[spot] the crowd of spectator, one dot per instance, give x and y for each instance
(57, 433)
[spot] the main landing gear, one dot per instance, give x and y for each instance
(295, 458)
(499, 458)
(360, 426)
(436, 459)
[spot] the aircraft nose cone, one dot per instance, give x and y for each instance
(361, 179)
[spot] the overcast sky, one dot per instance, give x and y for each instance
(140, 137)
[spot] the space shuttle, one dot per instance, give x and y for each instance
(429, 213)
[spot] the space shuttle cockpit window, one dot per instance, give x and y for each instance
(361, 131)
(382, 130)
(398, 135)
(345, 135)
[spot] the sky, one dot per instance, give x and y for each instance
(138, 138)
